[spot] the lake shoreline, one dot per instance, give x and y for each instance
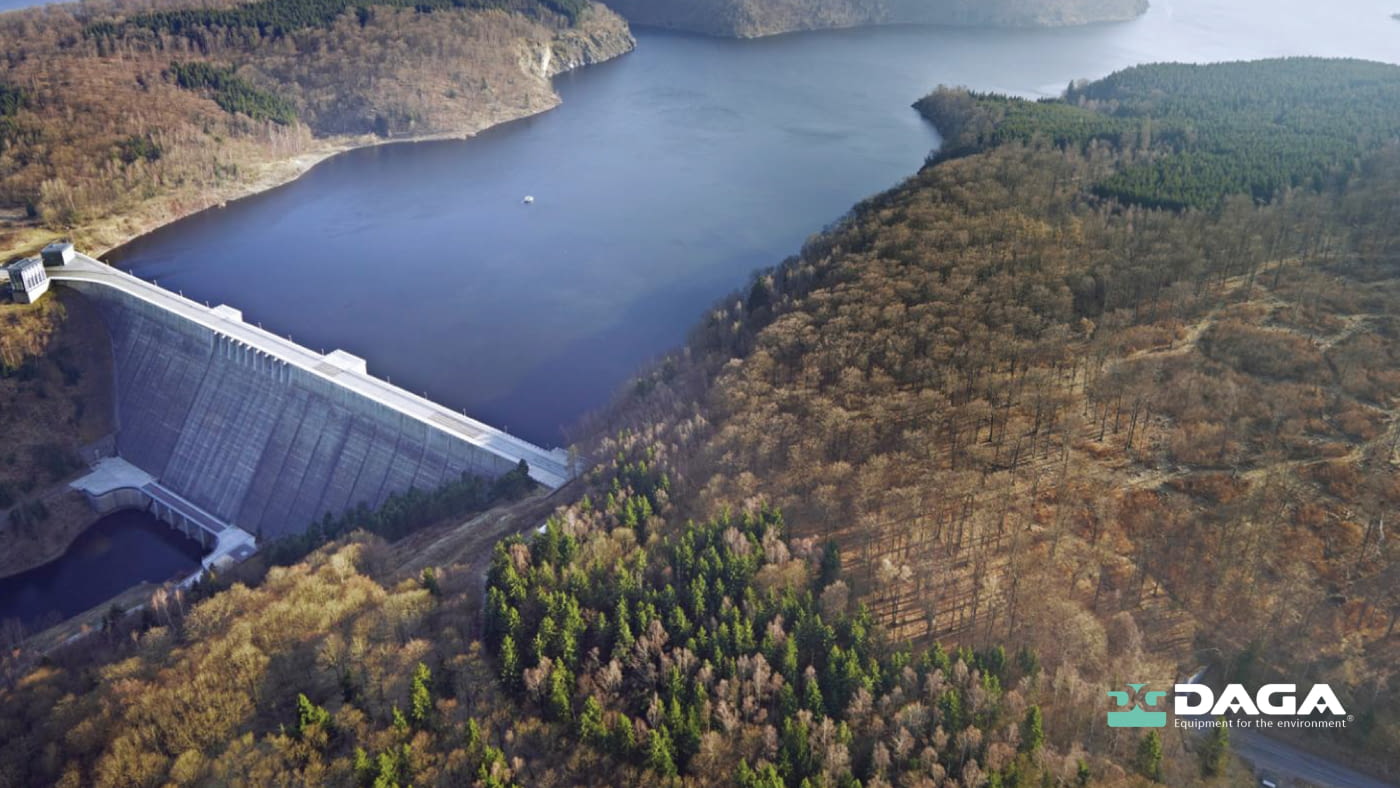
(70, 517)
(664, 181)
(280, 173)
(132, 541)
(609, 39)
(285, 171)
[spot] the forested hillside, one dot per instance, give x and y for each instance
(117, 116)
(751, 18)
(1199, 133)
(622, 646)
(1030, 407)
(55, 386)
(898, 515)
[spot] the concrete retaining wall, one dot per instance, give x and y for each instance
(125, 498)
(257, 442)
(119, 499)
(106, 446)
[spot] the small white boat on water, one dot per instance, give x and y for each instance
(529, 199)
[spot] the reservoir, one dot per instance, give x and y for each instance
(662, 182)
(119, 551)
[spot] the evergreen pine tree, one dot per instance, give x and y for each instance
(1032, 730)
(560, 703)
(1149, 756)
(660, 756)
(510, 664)
(420, 709)
(1215, 755)
(590, 722)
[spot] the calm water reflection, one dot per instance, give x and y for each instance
(121, 550)
(664, 179)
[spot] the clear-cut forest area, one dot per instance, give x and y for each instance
(1104, 393)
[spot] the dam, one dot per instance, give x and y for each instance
(231, 433)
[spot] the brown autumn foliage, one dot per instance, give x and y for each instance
(351, 668)
(1130, 439)
(55, 397)
(107, 143)
(208, 694)
(1011, 402)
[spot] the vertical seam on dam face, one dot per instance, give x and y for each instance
(262, 442)
(341, 483)
(266, 474)
(366, 452)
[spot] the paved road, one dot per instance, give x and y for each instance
(549, 468)
(1285, 760)
(1291, 764)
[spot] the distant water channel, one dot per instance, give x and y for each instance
(119, 551)
(664, 179)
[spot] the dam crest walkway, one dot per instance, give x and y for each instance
(255, 345)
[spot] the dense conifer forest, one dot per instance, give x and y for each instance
(1201, 133)
(697, 645)
(232, 93)
(897, 515)
(277, 18)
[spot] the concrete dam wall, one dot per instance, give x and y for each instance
(269, 436)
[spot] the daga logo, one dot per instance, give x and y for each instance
(1131, 713)
(1137, 707)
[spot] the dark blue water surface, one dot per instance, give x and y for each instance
(119, 551)
(662, 182)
